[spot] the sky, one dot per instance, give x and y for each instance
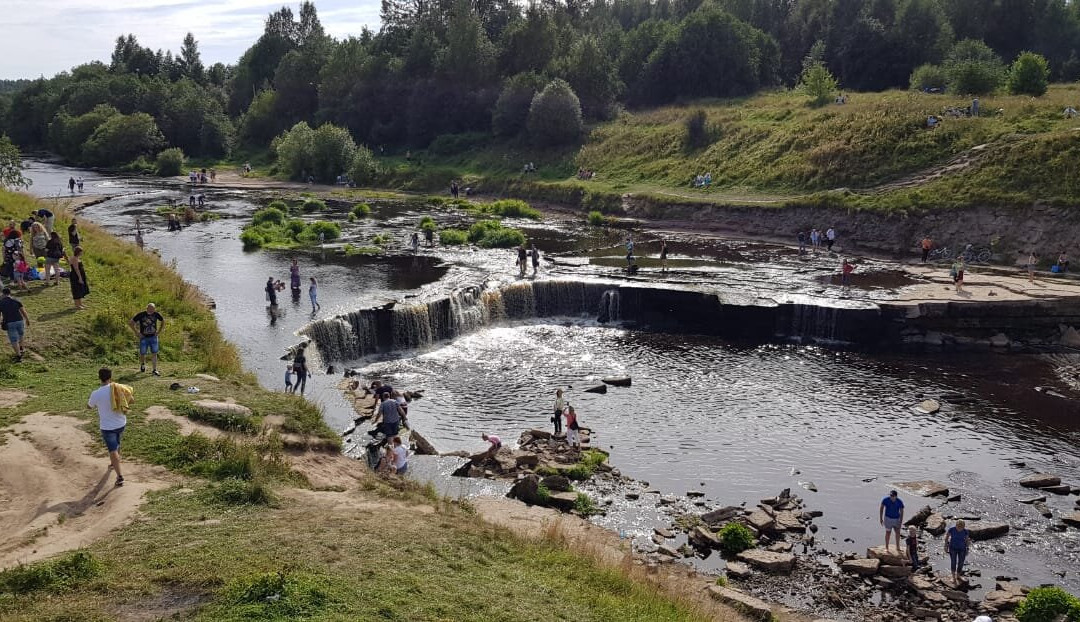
(43, 37)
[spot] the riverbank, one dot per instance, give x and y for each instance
(237, 502)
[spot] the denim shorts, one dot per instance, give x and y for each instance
(112, 438)
(148, 344)
(15, 331)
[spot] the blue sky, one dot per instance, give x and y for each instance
(43, 37)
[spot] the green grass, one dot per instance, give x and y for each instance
(267, 231)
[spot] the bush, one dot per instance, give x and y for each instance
(62, 572)
(122, 138)
(363, 169)
(311, 232)
(1029, 75)
(927, 77)
(512, 108)
(818, 83)
(361, 210)
(170, 162)
(323, 153)
(735, 538)
(234, 491)
(511, 208)
(280, 205)
(481, 228)
(697, 131)
(973, 68)
(313, 205)
(555, 115)
(252, 238)
(453, 237)
(597, 219)
(427, 223)
(1046, 604)
(271, 215)
(584, 505)
(579, 472)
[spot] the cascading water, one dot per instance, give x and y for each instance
(610, 310)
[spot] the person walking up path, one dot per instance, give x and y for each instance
(145, 325)
(15, 321)
(112, 401)
(891, 516)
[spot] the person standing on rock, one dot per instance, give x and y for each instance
(15, 321)
(572, 427)
(802, 242)
(111, 401)
(1032, 261)
(535, 253)
(301, 368)
(522, 259)
(560, 406)
(845, 273)
(956, 545)
(313, 294)
(891, 516)
(958, 274)
(294, 279)
(145, 325)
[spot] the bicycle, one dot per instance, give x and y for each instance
(970, 254)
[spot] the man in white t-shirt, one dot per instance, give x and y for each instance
(401, 457)
(110, 421)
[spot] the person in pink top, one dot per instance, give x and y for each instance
(496, 445)
(572, 427)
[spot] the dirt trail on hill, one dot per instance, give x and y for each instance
(55, 496)
(955, 164)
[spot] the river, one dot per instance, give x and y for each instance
(736, 421)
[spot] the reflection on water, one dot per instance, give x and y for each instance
(743, 419)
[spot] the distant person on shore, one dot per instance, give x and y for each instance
(815, 239)
(213, 175)
(73, 233)
(145, 324)
(926, 245)
(1063, 262)
(300, 366)
(956, 545)
(495, 445)
(80, 288)
(572, 427)
(271, 292)
(112, 401)
(663, 255)
(15, 321)
(401, 457)
(957, 273)
(79, 183)
(139, 239)
(54, 252)
(454, 189)
(560, 406)
(912, 542)
(522, 259)
(1032, 261)
(71, 185)
(801, 237)
(535, 253)
(845, 273)
(313, 294)
(891, 516)
(47, 218)
(830, 238)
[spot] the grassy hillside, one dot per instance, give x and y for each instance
(874, 152)
(236, 529)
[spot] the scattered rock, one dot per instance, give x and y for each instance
(633, 496)
(702, 538)
(738, 570)
(1007, 596)
(1060, 489)
(602, 388)
(786, 521)
(895, 572)
(923, 613)
(768, 560)
(861, 567)
(935, 524)
(664, 532)
(887, 557)
(224, 408)
(920, 517)
(1000, 340)
(617, 381)
(985, 531)
(1031, 500)
(927, 407)
(761, 521)
(664, 549)
(694, 493)
(956, 596)
(557, 483)
(527, 490)
(542, 435)
(1040, 480)
(747, 605)
(522, 459)
(925, 488)
(563, 501)
(1072, 519)
(721, 515)
(1043, 509)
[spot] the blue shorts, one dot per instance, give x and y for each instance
(148, 344)
(15, 331)
(112, 438)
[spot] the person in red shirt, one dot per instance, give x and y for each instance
(846, 269)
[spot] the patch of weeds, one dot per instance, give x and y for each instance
(313, 205)
(721, 581)
(510, 208)
(282, 595)
(579, 472)
(233, 491)
(361, 210)
(230, 422)
(584, 505)
(353, 251)
(544, 471)
(55, 574)
(453, 237)
(597, 219)
(543, 494)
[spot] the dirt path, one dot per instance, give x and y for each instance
(56, 496)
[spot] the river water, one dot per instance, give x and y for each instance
(738, 422)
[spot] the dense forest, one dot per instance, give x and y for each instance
(442, 73)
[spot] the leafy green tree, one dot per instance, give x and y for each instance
(294, 149)
(11, 166)
(260, 123)
(1029, 75)
(170, 162)
(332, 152)
(67, 134)
(512, 108)
(364, 169)
(928, 77)
(189, 62)
(469, 58)
(818, 84)
(529, 44)
(973, 68)
(555, 115)
(123, 138)
(592, 75)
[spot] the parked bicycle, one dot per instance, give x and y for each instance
(971, 254)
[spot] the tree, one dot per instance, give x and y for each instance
(332, 152)
(512, 108)
(364, 169)
(122, 138)
(170, 162)
(189, 62)
(973, 68)
(592, 75)
(11, 166)
(294, 149)
(555, 115)
(1029, 75)
(818, 84)
(469, 58)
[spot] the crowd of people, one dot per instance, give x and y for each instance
(202, 177)
(957, 538)
(33, 251)
(703, 181)
(815, 239)
(586, 174)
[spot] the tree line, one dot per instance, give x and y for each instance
(443, 73)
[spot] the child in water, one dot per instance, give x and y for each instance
(288, 378)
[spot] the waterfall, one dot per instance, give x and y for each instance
(609, 306)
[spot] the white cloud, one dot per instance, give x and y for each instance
(43, 37)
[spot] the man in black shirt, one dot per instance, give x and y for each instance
(145, 325)
(15, 321)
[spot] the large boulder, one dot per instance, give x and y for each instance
(786, 521)
(920, 517)
(563, 501)
(1006, 597)
(890, 557)
(925, 488)
(768, 560)
(981, 530)
(557, 483)
(761, 521)
(703, 538)
(539, 434)
(720, 516)
(600, 388)
(524, 459)
(222, 408)
(738, 570)
(617, 381)
(1040, 480)
(1058, 489)
(527, 490)
(935, 524)
(744, 604)
(861, 567)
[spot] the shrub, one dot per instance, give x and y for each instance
(697, 131)
(313, 205)
(59, 573)
(361, 210)
(555, 115)
(973, 68)
(252, 238)
(735, 538)
(363, 169)
(481, 228)
(1046, 604)
(512, 108)
(271, 215)
(427, 223)
(818, 84)
(312, 231)
(503, 237)
(511, 208)
(170, 162)
(380, 239)
(579, 472)
(235, 491)
(122, 138)
(927, 77)
(453, 237)
(323, 153)
(1029, 75)
(597, 219)
(584, 505)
